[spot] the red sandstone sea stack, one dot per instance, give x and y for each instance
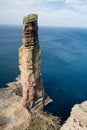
(28, 114)
(34, 96)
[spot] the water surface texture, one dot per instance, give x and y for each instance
(63, 64)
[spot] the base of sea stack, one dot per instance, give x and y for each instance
(13, 116)
(39, 104)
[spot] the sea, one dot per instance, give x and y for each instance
(63, 64)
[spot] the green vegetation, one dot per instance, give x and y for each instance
(31, 17)
(44, 121)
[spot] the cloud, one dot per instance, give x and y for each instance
(53, 0)
(51, 12)
(63, 17)
(79, 5)
(76, 1)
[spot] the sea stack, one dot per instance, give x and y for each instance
(34, 96)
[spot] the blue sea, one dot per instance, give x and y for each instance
(63, 64)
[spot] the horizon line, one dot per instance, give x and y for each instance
(46, 26)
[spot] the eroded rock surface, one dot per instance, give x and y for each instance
(78, 118)
(12, 115)
(34, 96)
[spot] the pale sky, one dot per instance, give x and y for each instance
(72, 13)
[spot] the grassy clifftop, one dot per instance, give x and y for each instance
(44, 121)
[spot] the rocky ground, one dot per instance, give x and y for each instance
(78, 118)
(13, 116)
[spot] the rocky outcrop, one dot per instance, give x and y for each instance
(78, 118)
(34, 97)
(12, 115)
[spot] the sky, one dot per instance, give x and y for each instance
(67, 13)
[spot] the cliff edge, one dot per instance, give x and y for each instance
(77, 119)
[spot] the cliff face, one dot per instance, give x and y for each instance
(29, 60)
(78, 118)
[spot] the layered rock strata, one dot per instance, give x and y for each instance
(29, 60)
(78, 118)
